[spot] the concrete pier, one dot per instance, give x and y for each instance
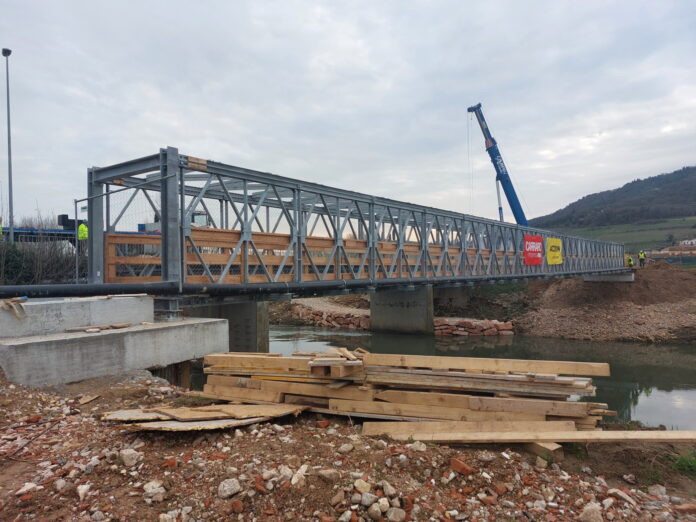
(247, 323)
(59, 358)
(406, 311)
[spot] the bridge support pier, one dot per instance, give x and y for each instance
(247, 323)
(405, 311)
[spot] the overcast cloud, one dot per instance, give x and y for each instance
(368, 96)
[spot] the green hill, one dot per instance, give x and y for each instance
(649, 213)
(648, 235)
(652, 199)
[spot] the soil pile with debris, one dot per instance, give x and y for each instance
(61, 462)
(659, 306)
(286, 312)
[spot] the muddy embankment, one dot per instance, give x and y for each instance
(660, 306)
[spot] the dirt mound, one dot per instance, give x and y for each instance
(361, 301)
(656, 283)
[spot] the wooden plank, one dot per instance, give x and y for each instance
(575, 382)
(312, 390)
(485, 364)
(201, 425)
(253, 354)
(554, 436)
(445, 383)
(472, 402)
(289, 374)
(132, 415)
(283, 378)
(406, 428)
(428, 412)
(549, 451)
(547, 407)
(229, 411)
(258, 362)
(380, 416)
(452, 400)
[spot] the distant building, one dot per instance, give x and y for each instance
(688, 242)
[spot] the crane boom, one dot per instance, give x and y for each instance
(502, 175)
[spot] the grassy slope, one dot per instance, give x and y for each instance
(650, 235)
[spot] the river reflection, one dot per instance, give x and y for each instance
(654, 384)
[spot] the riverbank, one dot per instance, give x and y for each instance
(326, 312)
(660, 306)
(61, 462)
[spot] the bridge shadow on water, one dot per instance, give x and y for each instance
(654, 384)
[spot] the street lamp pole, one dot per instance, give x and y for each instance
(6, 53)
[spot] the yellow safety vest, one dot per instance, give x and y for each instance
(82, 232)
(641, 255)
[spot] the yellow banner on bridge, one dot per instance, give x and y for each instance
(554, 251)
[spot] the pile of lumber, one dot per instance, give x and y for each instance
(433, 394)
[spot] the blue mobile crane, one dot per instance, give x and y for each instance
(502, 177)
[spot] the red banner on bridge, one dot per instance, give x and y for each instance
(533, 249)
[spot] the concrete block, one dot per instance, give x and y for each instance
(49, 316)
(68, 357)
(407, 311)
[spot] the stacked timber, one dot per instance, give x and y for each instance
(480, 394)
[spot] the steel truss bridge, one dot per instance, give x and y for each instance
(267, 233)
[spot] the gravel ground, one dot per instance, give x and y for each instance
(60, 462)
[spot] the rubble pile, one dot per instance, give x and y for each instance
(465, 327)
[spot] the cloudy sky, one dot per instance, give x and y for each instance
(363, 95)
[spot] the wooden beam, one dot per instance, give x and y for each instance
(452, 400)
(472, 402)
(486, 364)
(225, 392)
(408, 380)
(312, 390)
(551, 436)
(427, 412)
(409, 428)
(547, 407)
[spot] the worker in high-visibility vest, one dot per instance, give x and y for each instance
(641, 258)
(82, 232)
(630, 261)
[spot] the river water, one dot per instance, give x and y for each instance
(654, 384)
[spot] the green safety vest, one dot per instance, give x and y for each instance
(82, 232)
(641, 255)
